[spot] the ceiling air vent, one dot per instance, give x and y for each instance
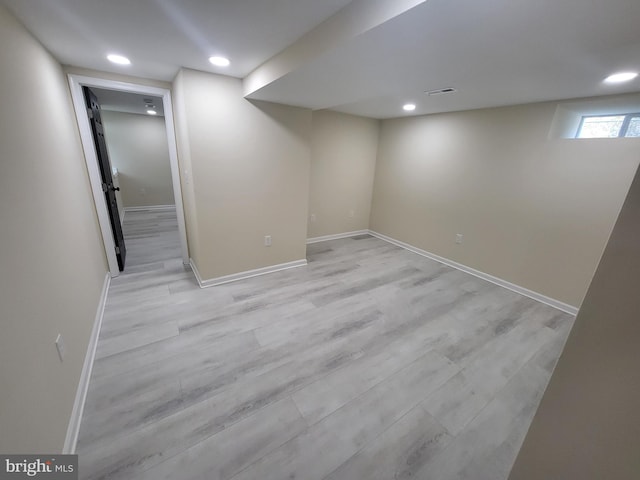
(441, 91)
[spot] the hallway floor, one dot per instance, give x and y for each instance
(369, 363)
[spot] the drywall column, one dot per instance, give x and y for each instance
(588, 424)
(245, 168)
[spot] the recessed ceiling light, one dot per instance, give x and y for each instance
(152, 112)
(409, 107)
(119, 59)
(219, 61)
(621, 77)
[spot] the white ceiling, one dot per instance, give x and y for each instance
(495, 52)
(160, 36)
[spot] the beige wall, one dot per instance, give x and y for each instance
(533, 211)
(138, 149)
(588, 425)
(248, 175)
(52, 264)
(343, 161)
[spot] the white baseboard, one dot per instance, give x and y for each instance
(243, 275)
(477, 273)
(336, 236)
(195, 271)
(83, 385)
(485, 276)
(150, 207)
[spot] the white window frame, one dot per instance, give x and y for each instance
(623, 129)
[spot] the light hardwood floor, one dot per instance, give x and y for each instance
(369, 363)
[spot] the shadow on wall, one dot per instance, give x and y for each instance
(282, 115)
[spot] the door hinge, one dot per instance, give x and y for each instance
(90, 113)
(117, 250)
(105, 188)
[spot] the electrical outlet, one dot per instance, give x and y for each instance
(60, 346)
(313, 217)
(267, 240)
(143, 191)
(459, 238)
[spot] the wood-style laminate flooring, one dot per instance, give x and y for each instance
(369, 363)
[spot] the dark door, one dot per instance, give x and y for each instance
(93, 109)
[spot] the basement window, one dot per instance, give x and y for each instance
(609, 126)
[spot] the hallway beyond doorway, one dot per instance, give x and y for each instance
(152, 237)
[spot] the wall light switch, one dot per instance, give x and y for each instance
(267, 240)
(60, 347)
(313, 217)
(459, 238)
(352, 213)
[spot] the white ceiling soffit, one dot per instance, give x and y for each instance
(494, 52)
(160, 36)
(356, 18)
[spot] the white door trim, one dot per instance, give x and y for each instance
(76, 82)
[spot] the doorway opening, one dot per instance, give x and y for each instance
(107, 182)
